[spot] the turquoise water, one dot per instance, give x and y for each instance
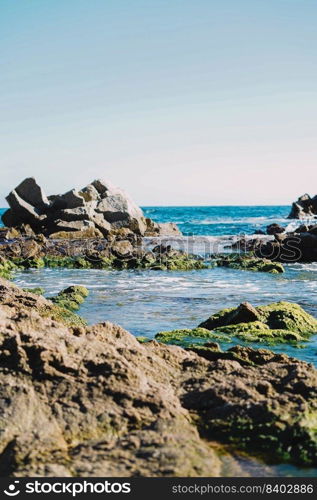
(218, 221)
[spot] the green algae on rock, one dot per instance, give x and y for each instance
(277, 322)
(71, 297)
(249, 262)
(187, 336)
(37, 290)
(171, 261)
(6, 268)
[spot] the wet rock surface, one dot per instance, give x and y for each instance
(94, 401)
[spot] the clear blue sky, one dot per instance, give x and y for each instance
(177, 101)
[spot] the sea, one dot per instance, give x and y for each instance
(147, 302)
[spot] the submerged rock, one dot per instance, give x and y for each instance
(93, 401)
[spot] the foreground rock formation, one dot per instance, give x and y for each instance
(93, 401)
(94, 211)
(304, 207)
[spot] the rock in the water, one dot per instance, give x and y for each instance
(294, 247)
(71, 297)
(277, 322)
(305, 206)
(274, 229)
(99, 205)
(161, 229)
(93, 401)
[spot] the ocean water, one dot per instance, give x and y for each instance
(218, 221)
(221, 221)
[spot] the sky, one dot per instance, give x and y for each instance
(179, 102)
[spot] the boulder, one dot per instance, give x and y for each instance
(275, 229)
(69, 200)
(296, 247)
(161, 229)
(272, 323)
(32, 193)
(122, 249)
(98, 205)
(22, 211)
(305, 206)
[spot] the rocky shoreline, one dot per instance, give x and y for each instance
(82, 400)
(93, 401)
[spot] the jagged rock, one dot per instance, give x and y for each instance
(9, 234)
(305, 206)
(161, 229)
(99, 205)
(69, 200)
(93, 401)
(74, 225)
(32, 193)
(90, 232)
(122, 248)
(22, 211)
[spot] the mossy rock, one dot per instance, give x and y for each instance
(62, 315)
(249, 263)
(143, 340)
(186, 336)
(6, 268)
(71, 298)
(36, 290)
(274, 323)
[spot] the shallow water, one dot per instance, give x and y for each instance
(146, 302)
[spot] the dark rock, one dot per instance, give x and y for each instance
(274, 229)
(305, 206)
(69, 200)
(32, 193)
(244, 313)
(21, 211)
(301, 247)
